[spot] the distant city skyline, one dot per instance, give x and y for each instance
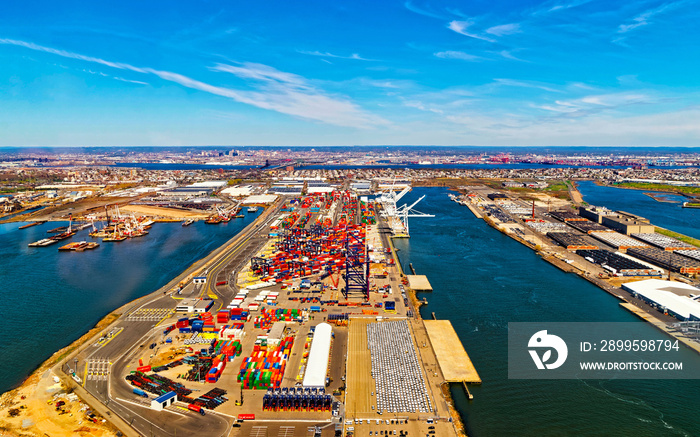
(514, 73)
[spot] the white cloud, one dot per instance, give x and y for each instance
(643, 18)
(425, 12)
(138, 82)
(422, 107)
(450, 54)
(282, 92)
(524, 84)
(461, 28)
(504, 29)
(354, 56)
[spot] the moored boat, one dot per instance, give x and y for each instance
(187, 222)
(42, 243)
(29, 225)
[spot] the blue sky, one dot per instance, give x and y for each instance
(506, 73)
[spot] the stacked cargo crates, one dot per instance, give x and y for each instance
(218, 365)
(268, 317)
(265, 367)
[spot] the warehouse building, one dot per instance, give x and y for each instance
(627, 225)
(594, 213)
(317, 366)
(671, 298)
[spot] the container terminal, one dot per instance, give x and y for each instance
(303, 324)
(650, 271)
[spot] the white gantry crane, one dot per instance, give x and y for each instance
(397, 216)
(405, 211)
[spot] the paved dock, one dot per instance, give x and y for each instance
(659, 324)
(419, 283)
(455, 364)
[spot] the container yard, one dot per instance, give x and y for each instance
(664, 242)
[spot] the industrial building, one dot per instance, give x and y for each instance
(673, 298)
(664, 242)
(594, 213)
(666, 259)
(586, 226)
(496, 196)
(317, 365)
(571, 240)
(617, 264)
(617, 240)
(627, 225)
(567, 216)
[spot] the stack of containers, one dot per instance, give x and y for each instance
(184, 325)
(223, 316)
(217, 367)
(197, 325)
(265, 368)
(232, 331)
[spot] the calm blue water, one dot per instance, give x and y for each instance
(482, 280)
(667, 215)
(51, 298)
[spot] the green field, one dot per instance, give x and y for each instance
(677, 236)
(659, 187)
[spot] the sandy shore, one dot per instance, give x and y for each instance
(29, 410)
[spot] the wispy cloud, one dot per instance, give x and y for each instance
(461, 27)
(554, 6)
(644, 18)
(278, 91)
(596, 103)
(138, 82)
(354, 56)
(426, 11)
(525, 84)
(508, 54)
(422, 107)
(504, 29)
(451, 54)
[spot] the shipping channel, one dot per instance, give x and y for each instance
(52, 298)
(482, 280)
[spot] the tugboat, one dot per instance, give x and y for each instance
(252, 209)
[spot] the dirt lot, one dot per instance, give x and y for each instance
(26, 411)
(157, 211)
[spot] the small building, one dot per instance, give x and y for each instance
(199, 280)
(276, 333)
(360, 185)
(497, 196)
(194, 305)
(163, 401)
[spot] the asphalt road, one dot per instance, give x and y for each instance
(103, 365)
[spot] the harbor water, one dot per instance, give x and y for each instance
(51, 298)
(482, 280)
